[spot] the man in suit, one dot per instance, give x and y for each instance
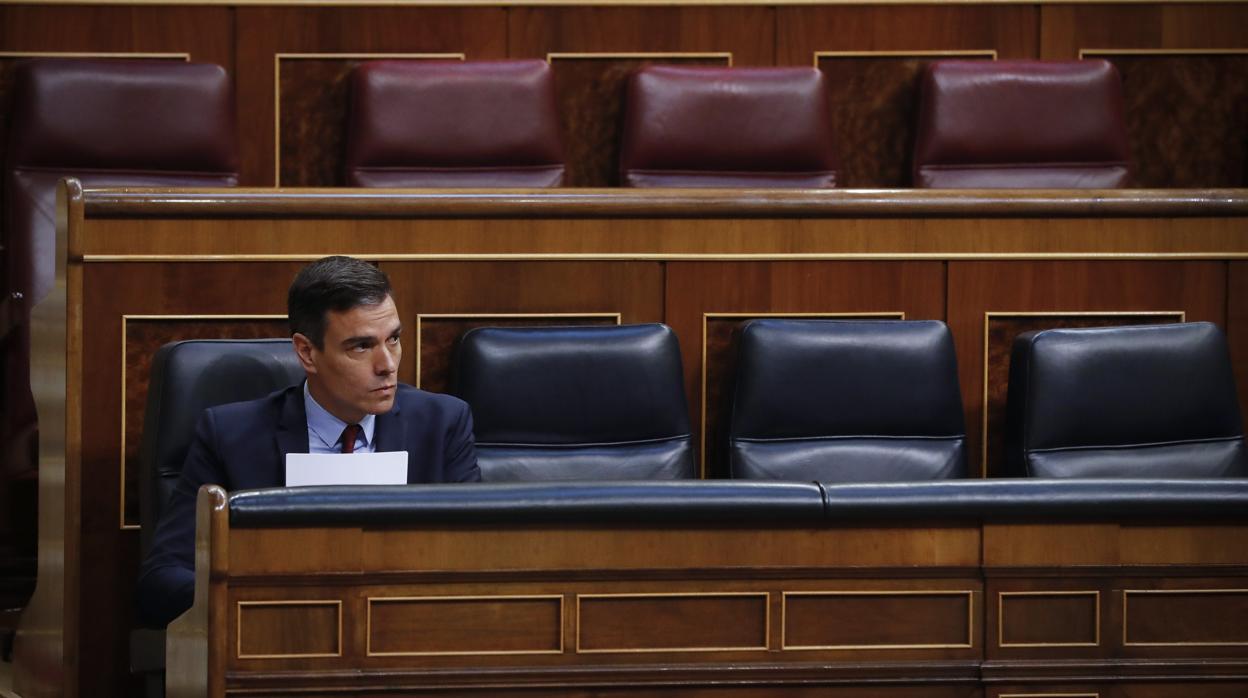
(345, 330)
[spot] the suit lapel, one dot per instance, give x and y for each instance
(292, 427)
(388, 433)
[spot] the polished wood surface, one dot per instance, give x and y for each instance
(148, 264)
(953, 610)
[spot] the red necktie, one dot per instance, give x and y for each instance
(348, 438)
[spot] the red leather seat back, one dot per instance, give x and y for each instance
(727, 127)
(1021, 124)
(107, 122)
(453, 124)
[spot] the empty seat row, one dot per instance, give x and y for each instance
(1038, 124)
(824, 400)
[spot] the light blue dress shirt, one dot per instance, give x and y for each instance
(325, 430)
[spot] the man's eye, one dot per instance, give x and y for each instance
(393, 340)
(359, 349)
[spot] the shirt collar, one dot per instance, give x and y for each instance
(327, 427)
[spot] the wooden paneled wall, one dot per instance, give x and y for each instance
(1185, 67)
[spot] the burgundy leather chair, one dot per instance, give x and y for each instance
(1021, 124)
(107, 122)
(453, 124)
(727, 127)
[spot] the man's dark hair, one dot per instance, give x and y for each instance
(332, 283)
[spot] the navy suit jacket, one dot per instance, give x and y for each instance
(243, 446)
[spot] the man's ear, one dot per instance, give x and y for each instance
(303, 349)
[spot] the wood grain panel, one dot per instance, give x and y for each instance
(142, 337)
(286, 629)
(695, 290)
(1185, 117)
(1048, 618)
(206, 33)
(747, 32)
(1185, 618)
(875, 102)
(631, 289)
(1065, 29)
(1010, 30)
(109, 556)
(437, 336)
(462, 549)
(1000, 330)
(976, 288)
(264, 32)
(589, 90)
(465, 625)
(672, 623)
(879, 620)
(312, 106)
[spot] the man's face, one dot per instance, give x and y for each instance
(355, 374)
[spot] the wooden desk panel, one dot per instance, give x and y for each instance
(221, 258)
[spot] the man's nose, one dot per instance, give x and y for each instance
(384, 364)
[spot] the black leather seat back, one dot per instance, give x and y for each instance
(187, 378)
(560, 403)
(846, 401)
(1148, 401)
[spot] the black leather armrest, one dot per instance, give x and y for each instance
(1039, 499)
(529, 502)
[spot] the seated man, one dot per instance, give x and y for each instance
(345, 330)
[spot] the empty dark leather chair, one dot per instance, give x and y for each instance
(107, 122)
(727, 127)
(1146, 402)
(1021, 124)
(569, 403)
(187, 378)
(453, 124)
(846, 401)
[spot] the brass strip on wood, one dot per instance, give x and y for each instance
(368, 631)
(970, 619)
(238, 647)
(765, 596)
(1001, 618)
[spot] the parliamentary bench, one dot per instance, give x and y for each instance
(953, 588)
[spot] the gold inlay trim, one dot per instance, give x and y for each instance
(706, 317)
(1091, 52)
(238, 626)
(1126, 594)
(92, 54)
(764, 595)
(970, 619)
(1001, 618)
(421, 317)
(125, 319)
(637, 55)
(989, 315)
(368, 629)
(277, 87)
(969, 53)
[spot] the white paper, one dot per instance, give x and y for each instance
(387, 468)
